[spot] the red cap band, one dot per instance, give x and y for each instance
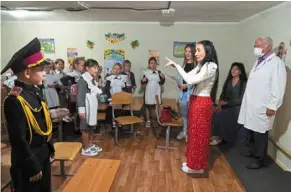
(33, 59)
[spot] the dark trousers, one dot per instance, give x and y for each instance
(260, 145)
(20, 180)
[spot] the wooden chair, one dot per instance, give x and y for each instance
(173, 123)
(65, 151)
(101, 116)
(123, 98)
(94, 175)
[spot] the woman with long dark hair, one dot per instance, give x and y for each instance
(224, 122)
(185, 89)
(204, 79)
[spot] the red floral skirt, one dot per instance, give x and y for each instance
(199, 132)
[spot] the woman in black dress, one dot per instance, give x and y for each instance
(224, 122)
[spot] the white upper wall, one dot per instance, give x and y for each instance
(151, 36)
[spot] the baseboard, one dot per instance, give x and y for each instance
(276, 160)
(280, 147)
(279, 163)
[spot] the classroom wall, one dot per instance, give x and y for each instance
(275, 23)
(150, 35)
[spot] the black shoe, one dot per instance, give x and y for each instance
(255, 165)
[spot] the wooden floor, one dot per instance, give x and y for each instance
(147, 169)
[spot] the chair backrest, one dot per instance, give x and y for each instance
(122, 98)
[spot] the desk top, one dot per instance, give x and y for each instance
(66, 150)
(94, 175)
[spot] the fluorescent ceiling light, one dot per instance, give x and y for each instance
(84, 4)
(19, 13)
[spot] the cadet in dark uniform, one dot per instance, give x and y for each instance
(29, 123)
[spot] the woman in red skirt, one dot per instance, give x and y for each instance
(205, 80)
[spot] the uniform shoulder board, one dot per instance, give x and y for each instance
(15, 91)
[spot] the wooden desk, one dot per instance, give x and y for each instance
(95, 175)
(65, 151)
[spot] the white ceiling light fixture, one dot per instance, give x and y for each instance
(18, 13)
(168, 12)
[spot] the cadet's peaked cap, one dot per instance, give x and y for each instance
(29, 56)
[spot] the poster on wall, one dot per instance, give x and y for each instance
(112, 56)
(47, 45)
(72, 53)
(156, 54)
(114, 38)
(178, 48)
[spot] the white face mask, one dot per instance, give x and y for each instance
(258, 52)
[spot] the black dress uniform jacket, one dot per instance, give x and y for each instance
(27, 159)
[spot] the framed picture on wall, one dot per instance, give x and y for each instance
(178, 48)
(47, 45)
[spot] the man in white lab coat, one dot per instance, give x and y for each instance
(263, 96)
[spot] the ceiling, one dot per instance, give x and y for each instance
(137, 11)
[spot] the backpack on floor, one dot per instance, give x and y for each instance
(168, 114)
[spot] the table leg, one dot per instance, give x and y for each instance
(60, 136)
(62, 170)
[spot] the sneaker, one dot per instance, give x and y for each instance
(96, 148)
(189, 170)
(181, 135)
(89, 152)
(215, 142)
(184, 164)
(148, 124)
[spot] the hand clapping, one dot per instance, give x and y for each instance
(170, 62)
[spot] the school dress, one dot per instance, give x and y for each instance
(61, 89)
(115, 84)
(30, 151)
(153, 86)
(51, 94)
(130, 81)
(87, 101)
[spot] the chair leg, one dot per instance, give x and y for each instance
(167, 142)
(136, 132)
(116, 136)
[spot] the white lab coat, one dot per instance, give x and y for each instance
(265, 89)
